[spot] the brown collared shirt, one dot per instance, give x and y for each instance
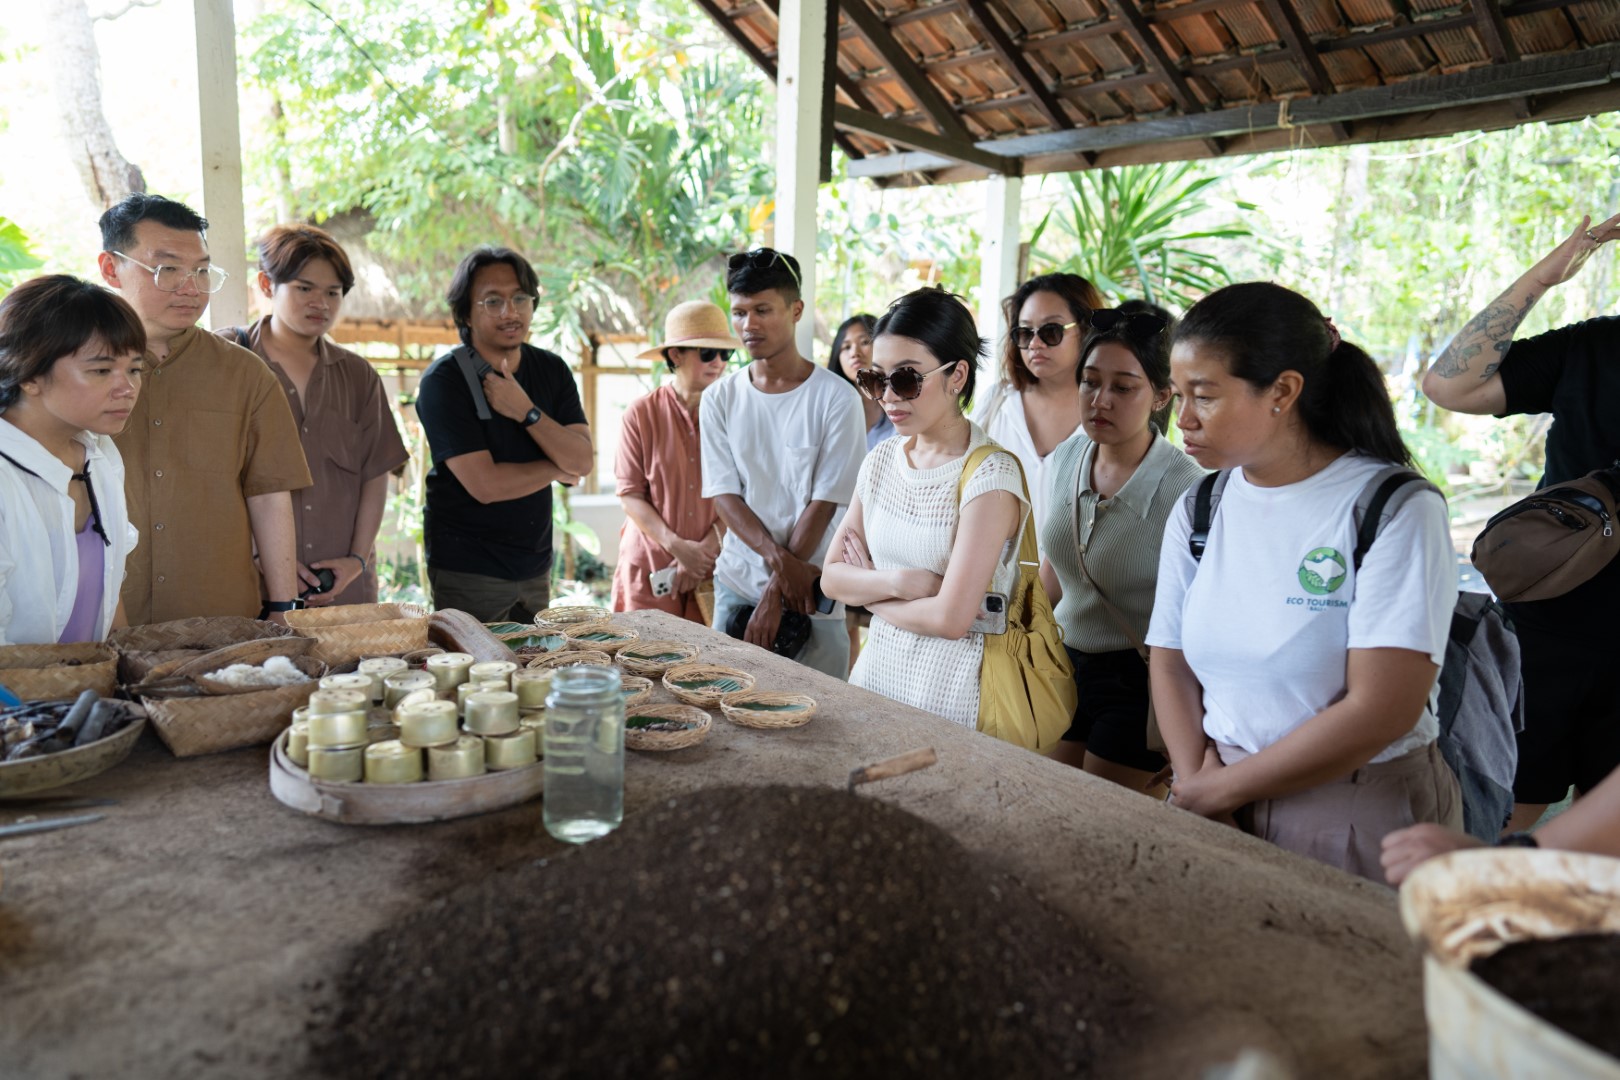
(210, 430)
(349, 437)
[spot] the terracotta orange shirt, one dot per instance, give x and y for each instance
(660, 459)
(210, 429)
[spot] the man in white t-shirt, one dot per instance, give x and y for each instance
(782, 446)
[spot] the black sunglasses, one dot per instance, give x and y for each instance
(710, 355)
(906, 383)
(1051, 333)
(1132, 322)
(762, 259)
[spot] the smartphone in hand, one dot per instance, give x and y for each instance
(663, 581)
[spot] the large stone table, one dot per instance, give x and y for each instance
(198, 929)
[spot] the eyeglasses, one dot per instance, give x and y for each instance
(207, 279)
(500, 305)
(763, 259)
(906, 383)
(709, 356)
(1132, 322)
(1051, 333)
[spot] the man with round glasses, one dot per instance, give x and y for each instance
(211, 451)
(504, 422)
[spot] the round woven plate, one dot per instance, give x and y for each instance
(636, 689)
(555, 619)
(653, 658)
(705, 684)
(70, 766)
(694, 727)
(771, 711)
(600, 636)
(570, 657)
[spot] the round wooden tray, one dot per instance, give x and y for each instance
(399, 804)
(766, 710)
(653, 658)
(599, 636)
(696, 720)
(706, 697)
(70, 766)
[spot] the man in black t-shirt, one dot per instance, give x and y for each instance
(1571, 695)
(503, 421)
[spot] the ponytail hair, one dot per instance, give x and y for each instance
(1263, 330)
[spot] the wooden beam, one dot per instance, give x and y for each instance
(1286, 25)
(1147, 43)
(923, 12)
(1492, 30)
(939, 146)
(905, 70)
(1018, 64)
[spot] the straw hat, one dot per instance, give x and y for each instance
(696, 324)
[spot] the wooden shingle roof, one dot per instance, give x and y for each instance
(949, 90)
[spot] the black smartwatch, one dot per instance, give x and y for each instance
(1517, 839)
(532, 417)
(273, 606)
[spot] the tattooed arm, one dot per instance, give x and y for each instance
(1467, 377)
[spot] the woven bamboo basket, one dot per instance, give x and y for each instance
(570, 657)
(600, 636)
(695, 726)
(653, 658)
(345, 633)
(767, 710)
(58, 672)
(636, 689)
(556, 619)
(208, 723)
(705, 684)
(158, 648)
(252, 652)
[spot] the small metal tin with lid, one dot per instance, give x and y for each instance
(496, 673)
(492, 712)
(461, 695)
(333, 731)
(415, 697)
(337, 764)
(449, 670)
(353, 681)
(400, 683)
(531, 686)
(298, 744)
(338, 701)
(428, 723)
(393, 762)
(458, 760)
(512, 751)
(378, 668)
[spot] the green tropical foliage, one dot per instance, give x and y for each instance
(17, 256)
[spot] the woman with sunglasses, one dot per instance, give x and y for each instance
(907, 550)
(1292, 680)
(1112, 487)
(1033, 409)
(852, 351)
(671, 534)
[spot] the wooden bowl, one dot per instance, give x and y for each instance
(695, 725)
(704, 685)
(600, 636)
(555, 619)
(767, 710)
(70, 766)
(653, 658)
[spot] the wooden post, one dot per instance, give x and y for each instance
(800, 90)
(222, 158)
(998, 264)
(587, 379)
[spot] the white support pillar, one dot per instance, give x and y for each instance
(998, 263)
(221, 130)
(800, 85)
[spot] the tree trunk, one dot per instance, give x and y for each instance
(70, 44)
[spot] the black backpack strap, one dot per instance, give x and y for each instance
(1374, 499)
(1203, 500)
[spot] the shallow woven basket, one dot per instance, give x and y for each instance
(653, 658)
(706, 696)
(556, 619)
(156, 649)
(771, 711)
(636, 689)
(190, 726)
(345, 633)
(58, 672)
(252, 652)
(641, 739)
(601, 636)
(570, 657)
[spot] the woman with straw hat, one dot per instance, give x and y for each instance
(671, 536)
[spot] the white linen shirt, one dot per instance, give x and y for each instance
(39, 555)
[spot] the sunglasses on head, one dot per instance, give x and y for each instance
(1051, 333)
(906, 382)
(1131, 322)
(762, 259)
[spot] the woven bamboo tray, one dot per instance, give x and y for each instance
(601, 636)
(767, 710)
(58, 672)
(570, 657)
(653, 658)
(695, 727)
(70, 766)
(400, 804)
(209, 723)
(704, 685)
(636, 689)
(344, 634)
(556, 619)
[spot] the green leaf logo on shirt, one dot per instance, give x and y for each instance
(1322, 571)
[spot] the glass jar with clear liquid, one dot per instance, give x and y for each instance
(584, 753)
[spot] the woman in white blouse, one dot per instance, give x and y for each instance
(70, 369)
(907, 550)
(1033, 408)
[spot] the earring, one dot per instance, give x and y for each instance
(1275, 409)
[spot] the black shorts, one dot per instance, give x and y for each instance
(1111, 718)
(1571, 715)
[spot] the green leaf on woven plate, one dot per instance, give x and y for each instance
(725, 685)
(649, 721)
(656, 658)
(507, 627)
(759, 706)
(599, 635)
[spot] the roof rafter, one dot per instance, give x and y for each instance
(1018, 65)
(941, 146)
(905, 69)
(1285, 23)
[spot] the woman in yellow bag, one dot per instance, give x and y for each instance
(930, 539)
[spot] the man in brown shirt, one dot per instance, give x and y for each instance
(211, 454)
